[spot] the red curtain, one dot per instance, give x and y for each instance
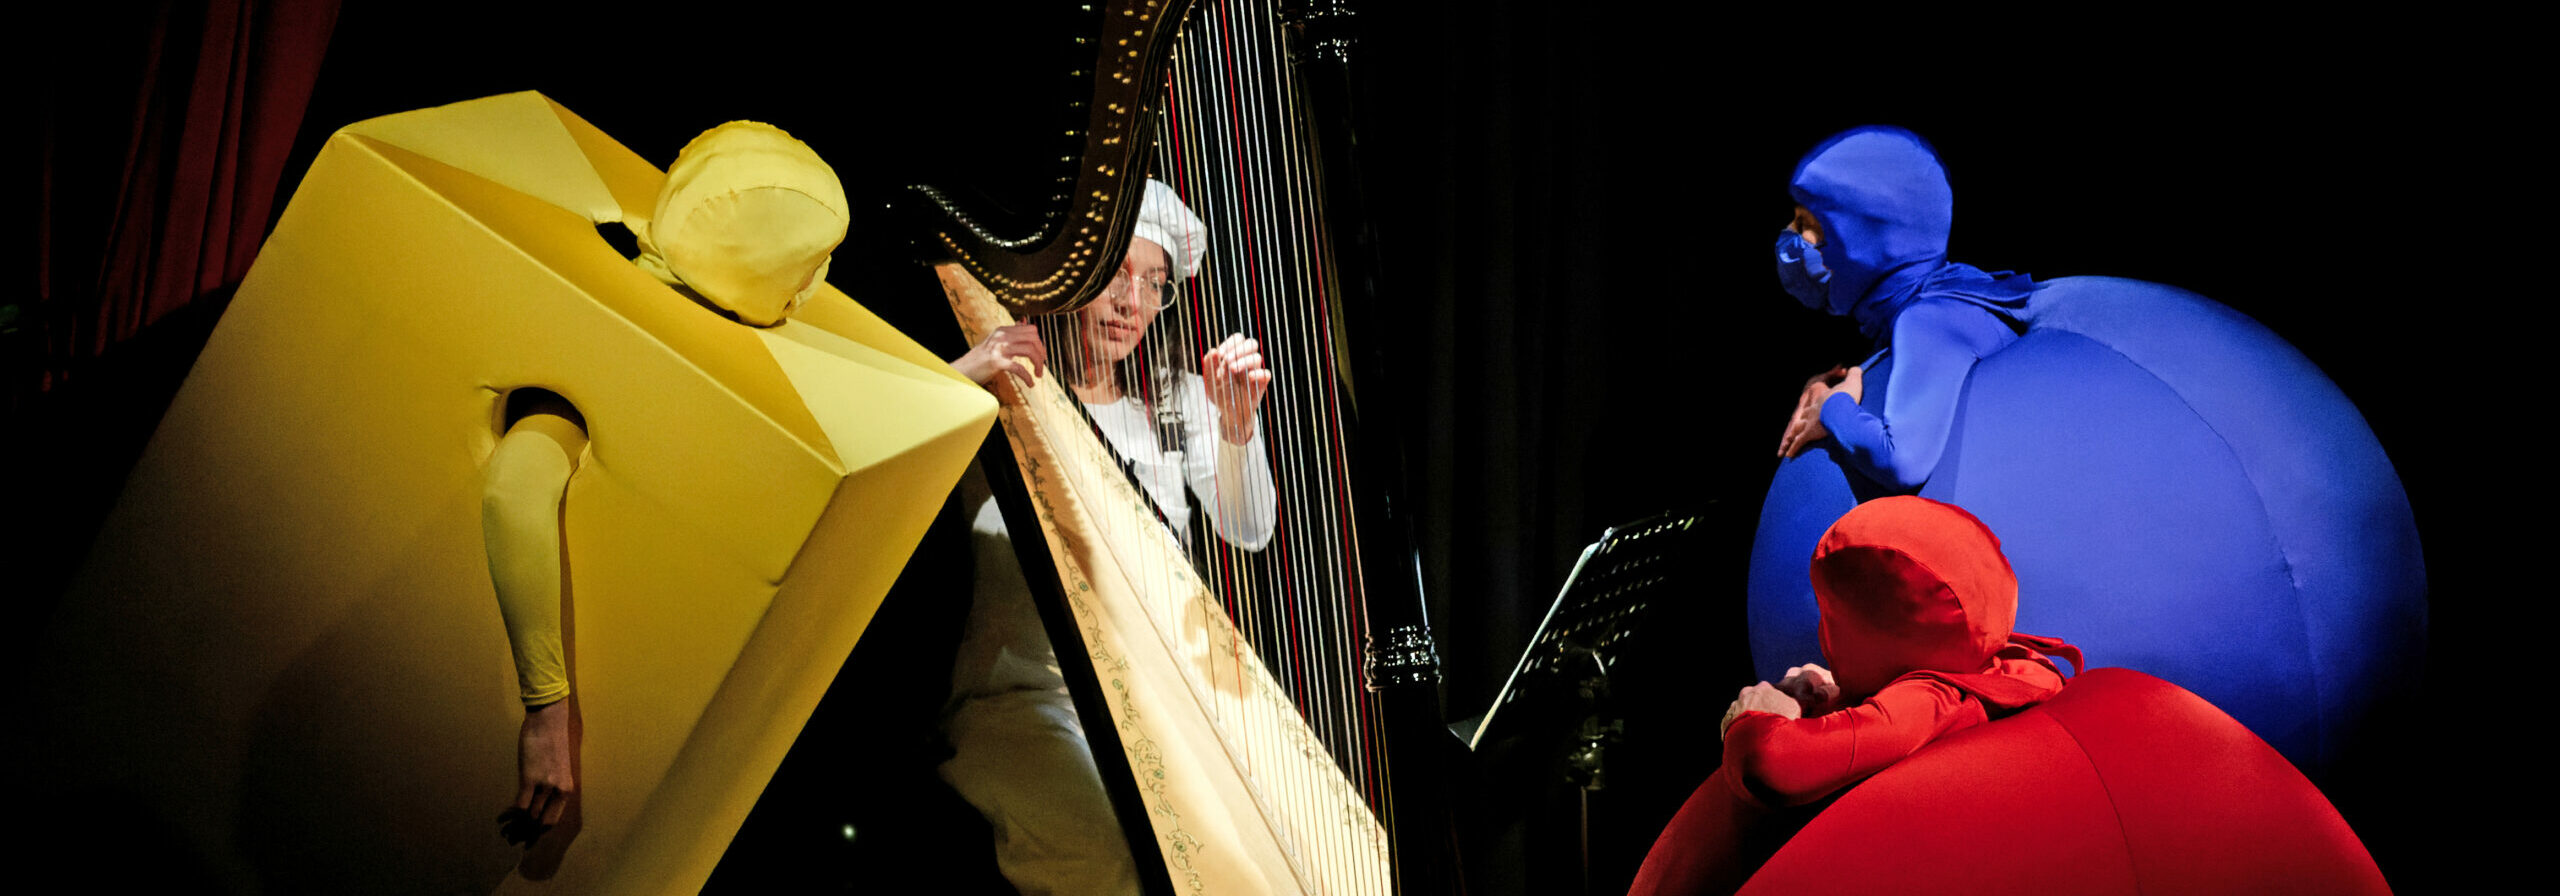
(165, 135)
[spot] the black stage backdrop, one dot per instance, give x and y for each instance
(1577, 210)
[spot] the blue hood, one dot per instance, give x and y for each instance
(1885, 209)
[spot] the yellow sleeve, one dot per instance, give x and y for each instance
(520, 522)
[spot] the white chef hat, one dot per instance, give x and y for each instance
(1165, 221)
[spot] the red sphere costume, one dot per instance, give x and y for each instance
(1916, 607)
(2125, 784)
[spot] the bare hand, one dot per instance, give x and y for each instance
(1804, 426)
(546, 763)
(1853, 383)
(1812, 687)
(1013, 348)
(1762, 697)
(1236, 382)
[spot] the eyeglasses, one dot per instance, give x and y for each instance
(1158, 292)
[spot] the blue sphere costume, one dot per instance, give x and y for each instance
(2179, 490)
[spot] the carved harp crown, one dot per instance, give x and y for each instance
(1084, 229)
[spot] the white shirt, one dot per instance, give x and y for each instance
(1233, 481)
(1004, 647)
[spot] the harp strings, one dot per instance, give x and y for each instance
(1231, 143)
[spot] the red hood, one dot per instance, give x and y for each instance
(1907, 584)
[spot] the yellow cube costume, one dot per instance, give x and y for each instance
(285, 646)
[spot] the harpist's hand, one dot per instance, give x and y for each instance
(1236, 382)
(546, 765)
(1010, 348)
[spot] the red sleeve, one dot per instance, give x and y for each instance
(1779, 761)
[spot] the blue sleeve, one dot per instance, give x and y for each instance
(1935, 345)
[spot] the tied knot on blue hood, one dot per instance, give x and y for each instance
(1885, 208)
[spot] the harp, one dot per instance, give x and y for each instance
(1257, 698)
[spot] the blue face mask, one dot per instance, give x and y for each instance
(1800, 270)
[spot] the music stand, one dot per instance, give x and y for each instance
(1597, 619)
(1559, 693)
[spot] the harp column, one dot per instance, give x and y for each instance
(1402, 662)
